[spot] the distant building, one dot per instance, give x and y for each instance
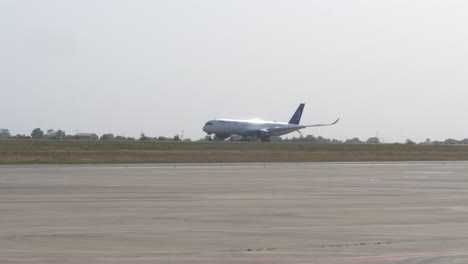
(86, 136)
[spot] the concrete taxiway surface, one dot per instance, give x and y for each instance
(239, 213)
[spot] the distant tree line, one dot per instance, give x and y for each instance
(110, 136)
(174, 138)
(51, 134)
(449, 141)
(35, 134)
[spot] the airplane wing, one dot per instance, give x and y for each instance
(324, 124)
(273, 131)
(278, 131)
(285, 130)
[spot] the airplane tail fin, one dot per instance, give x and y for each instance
(296, 118)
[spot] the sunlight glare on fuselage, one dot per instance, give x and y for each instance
(258, 121)
(251, 121)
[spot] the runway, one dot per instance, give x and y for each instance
(235, 213)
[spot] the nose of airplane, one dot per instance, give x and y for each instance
(205, 129)
(208, 127)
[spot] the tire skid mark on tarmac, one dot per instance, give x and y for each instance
(202, 259)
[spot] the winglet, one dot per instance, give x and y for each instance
(324, 124)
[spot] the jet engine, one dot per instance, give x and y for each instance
(264, 135)
(221, 136)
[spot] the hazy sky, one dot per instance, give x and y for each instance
(396, 67)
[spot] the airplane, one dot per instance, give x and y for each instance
(259, 129)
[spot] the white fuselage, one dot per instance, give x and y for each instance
(247, 127)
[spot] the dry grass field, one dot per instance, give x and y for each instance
(30, 151)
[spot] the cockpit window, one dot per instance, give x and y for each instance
(209, 124)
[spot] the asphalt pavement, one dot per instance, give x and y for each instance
(235, 213)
